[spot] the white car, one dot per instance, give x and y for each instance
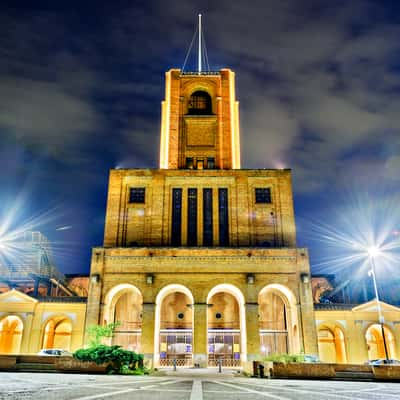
(54, 352)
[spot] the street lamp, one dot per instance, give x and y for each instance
(373, 252)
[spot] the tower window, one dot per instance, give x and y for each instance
(192, 218)
(223, 217)
(189, 162)
(137, 195)
(200, 103)
(207, 217)
(210, 162)
(263, 195)
(176, 231)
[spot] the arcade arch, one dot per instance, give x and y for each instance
(173, 341)
(278, 322)
(57, 333)
(124, 304)
(331, 344)
(226, 326)
(11, 330)
(375, 344)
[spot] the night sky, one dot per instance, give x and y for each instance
(319, 90)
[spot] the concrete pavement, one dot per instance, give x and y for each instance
(206, 386)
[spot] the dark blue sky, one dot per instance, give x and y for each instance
(81, 85)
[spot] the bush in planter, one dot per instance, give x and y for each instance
(118, 360)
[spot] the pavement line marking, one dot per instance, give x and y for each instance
(252, 391)
(109, 394)
(197, 390)
(150, 380)
(325, 394)
(226, 392)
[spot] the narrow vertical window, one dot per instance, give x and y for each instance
(223, 217)
(207, 217)
(192, 218)
(176, 231)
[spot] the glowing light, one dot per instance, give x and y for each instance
(361, 228)
(374, 251)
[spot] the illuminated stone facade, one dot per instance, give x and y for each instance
(199, 261)
(28, 325)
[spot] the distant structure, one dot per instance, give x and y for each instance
(38, 309)
(31, 269)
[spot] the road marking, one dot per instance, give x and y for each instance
(251, 391)
(197, 390)
(313, 391)
(110, 394)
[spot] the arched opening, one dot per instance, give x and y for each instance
(331, 345)
(124, 304)
(57, 334)
(174, 327)
(375, 344)
(277, 321)
(11, 329)
(200, 103)
(225, 324)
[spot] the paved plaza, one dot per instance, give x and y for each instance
(40, 386)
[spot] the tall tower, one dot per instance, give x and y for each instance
(199, 261)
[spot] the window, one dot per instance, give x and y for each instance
(223, 217)
(176, 231)
(263, 195)
(189, 162)
(137, 195)
(192, 218)
(199, 103)
(207, 217)
(210, 163)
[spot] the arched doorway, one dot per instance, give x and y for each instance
(124, 305)
(375, 344)
(174, 327)
(11, 329)
(57, 334)
(277, 321)
(331, 345)
(225, 324)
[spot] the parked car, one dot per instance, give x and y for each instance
(54, 352)
(311, 359)
(383, 361)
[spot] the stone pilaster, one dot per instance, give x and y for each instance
(200, 334)
(253, 335)
(147, 339)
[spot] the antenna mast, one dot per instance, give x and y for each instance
(200, 34)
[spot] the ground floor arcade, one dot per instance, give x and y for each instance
(203, 306)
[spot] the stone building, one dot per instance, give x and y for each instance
(199, 261)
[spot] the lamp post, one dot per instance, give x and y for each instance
(373, 252)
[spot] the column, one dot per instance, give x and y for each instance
(309, 332)
(253, 335)
(200, 334)
(147, 338)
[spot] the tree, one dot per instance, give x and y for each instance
(97, 333)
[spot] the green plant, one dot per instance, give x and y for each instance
(97, 333)
(118, 360)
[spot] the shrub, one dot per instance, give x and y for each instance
(118, 359)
